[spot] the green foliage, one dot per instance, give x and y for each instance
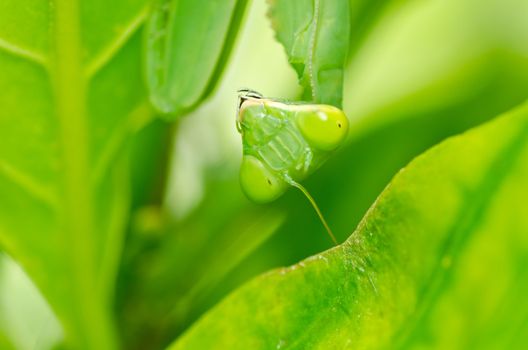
(133, 228)
(444, 227)
(70, 95)
(174, 276)
(187, 46)
(315, 36)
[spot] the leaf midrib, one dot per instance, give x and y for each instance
(69, 85)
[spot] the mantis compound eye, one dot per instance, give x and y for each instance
(258, 182)
(324, 127)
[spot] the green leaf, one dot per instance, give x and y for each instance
(187, 46)
(71, 93)
(315, 36)
(438, 261)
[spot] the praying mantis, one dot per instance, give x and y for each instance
(283, 143)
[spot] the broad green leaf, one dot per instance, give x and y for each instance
(438, 261)
(71, 92)
(315, 36)
(188, 43)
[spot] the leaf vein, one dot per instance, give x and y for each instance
(106, 54)
(24, 53)
(138, 117)
(33, 188)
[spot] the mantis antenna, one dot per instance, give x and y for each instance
(314, 205)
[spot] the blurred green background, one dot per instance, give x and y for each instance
(417, 73)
